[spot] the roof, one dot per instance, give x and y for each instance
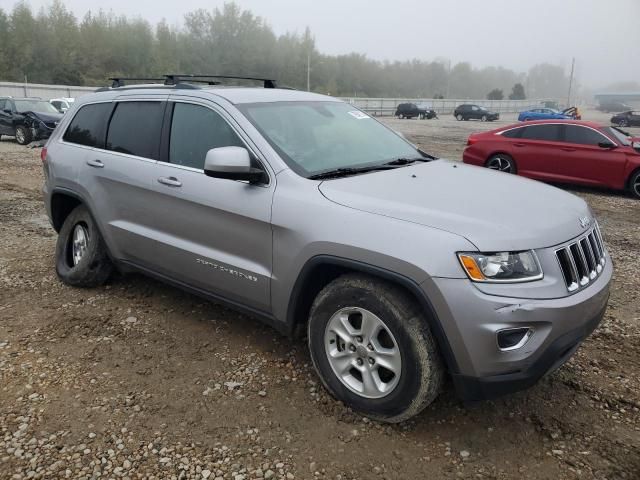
(235, 95)
(584, 123)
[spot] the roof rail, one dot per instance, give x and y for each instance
(175, 79)
(117, 82)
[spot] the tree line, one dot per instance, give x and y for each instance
(53, 46)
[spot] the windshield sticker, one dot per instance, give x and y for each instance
(358, 114)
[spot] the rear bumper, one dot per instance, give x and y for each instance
(556, 354)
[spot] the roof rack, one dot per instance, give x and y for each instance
(175, 79)
(117, 82)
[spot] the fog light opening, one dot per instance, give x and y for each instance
(513, 338)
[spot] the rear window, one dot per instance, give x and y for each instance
(513, 133)
(549, 133)
(135, 129)
(89, 125)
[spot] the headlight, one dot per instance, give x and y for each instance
(505, 267)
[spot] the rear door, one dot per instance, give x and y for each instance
(634, 118)
(4, 116)
(7, 112)
(214, 234)
(119, 178)
(583, 161)
(536, 150)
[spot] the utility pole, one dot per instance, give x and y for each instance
(308, 70)
(573, 64)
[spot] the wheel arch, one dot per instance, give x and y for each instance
(322, 269)
(63, 202)
(630, 177)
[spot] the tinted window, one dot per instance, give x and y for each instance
(550, 133)
(583, 135)
(2, 103)
(135, 129)
(89, 125)
(514, 133)
(194, 131)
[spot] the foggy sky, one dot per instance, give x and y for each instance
(603, 35)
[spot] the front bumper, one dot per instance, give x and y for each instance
(41, 131)
(470, 320)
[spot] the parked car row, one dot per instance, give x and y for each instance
(562, 151)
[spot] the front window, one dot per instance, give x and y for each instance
(314, 137)
(39, 106)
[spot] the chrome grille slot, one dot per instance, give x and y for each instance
(583, 260)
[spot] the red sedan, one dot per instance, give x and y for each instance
(563, 151)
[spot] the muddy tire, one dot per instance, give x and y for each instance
(81, 255)
(371, 345)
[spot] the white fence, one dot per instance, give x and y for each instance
(387, 106)
(374, 106)
(46, 92)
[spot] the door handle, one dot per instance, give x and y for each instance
(170, 181)
(519, 144)
(95, 163)
(568, 149)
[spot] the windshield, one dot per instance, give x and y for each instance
(620, 136)
(34, 106)
(314, 137)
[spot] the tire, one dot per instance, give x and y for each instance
(502, 162)
(402, 327)
(623, 123)
(459, 117)
(634, 184)
(23, 135)
(94, 267)
(483, 118)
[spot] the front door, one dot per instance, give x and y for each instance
(214, 234)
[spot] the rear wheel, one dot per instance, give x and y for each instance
(634, 184)
(23, 135)
(372, 348)
(81, 255)
(459, 117)
(483, 118)
(501, 162)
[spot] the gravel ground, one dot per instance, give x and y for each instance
(139, 380)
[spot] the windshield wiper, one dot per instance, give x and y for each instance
(406, 161)
(344, 171)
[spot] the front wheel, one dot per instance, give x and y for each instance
(501, 162)
(372, 348)
(483, 118)
(623, 123)
(81, 255)
(634, 184)
(23, 135)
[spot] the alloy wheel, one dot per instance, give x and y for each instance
(79, 243)
(636, 186)
(501, 164)
(363, 353)
(20, 137)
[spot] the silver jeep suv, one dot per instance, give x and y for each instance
(300, 209)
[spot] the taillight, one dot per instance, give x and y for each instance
(43, 154)
(471, 140)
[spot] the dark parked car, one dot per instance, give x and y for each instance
(609, 107)
(468, 112)
(627, 119)
(27, 119)
(411, 110)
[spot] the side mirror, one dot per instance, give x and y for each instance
(231, 163)
(608, 145)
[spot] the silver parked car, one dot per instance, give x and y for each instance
(306, 212)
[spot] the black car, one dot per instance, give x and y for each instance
(27, 119)
(626, 119)
(467, 112)
(411, 110)
(609, 107)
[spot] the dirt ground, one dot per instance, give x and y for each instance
(140, 380)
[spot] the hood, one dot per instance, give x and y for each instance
(493, 210)
(46, 117)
